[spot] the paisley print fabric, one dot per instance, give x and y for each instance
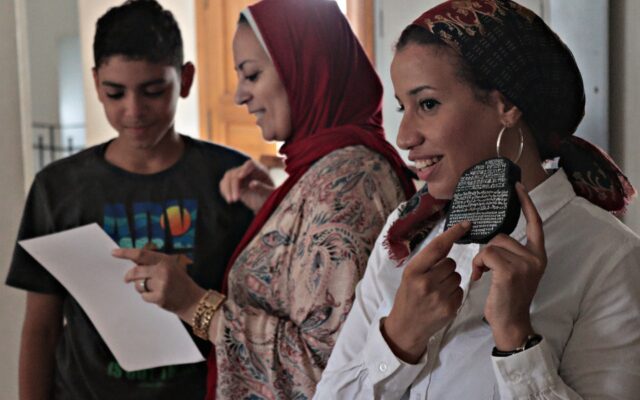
(292, 287)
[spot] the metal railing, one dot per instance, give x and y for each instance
(45, 145)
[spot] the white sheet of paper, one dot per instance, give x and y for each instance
(140, 335)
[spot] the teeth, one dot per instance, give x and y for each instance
(421, 164)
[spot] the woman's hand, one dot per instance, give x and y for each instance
(249, 183)
(516, 271)
(427, 299)
(163, 280)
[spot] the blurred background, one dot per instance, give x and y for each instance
(48, 108)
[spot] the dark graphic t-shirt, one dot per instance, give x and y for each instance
(180, 210)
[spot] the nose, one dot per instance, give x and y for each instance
(409, 135)
(242, 95)
(135, 106)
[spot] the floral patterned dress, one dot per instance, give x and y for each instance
(292, 287)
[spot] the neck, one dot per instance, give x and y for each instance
(531, 165)
(140, 159)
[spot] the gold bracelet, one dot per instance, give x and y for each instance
(207, 306)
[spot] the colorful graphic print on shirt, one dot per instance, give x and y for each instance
(171, 227)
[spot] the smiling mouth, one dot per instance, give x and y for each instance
(422, 164)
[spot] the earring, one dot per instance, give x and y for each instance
(499, 141)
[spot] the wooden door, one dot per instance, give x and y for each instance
(221, 121)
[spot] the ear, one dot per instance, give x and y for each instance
(186, 78)
(96, 82)
(508, 113)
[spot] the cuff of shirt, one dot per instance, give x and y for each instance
(381, 364)
(527, 373)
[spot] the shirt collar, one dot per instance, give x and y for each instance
(548, 197)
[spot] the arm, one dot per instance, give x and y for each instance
(378, 357)
(602, 357)
(40, 335)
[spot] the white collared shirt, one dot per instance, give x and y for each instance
(587, 308)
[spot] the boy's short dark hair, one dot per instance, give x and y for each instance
(139, 30)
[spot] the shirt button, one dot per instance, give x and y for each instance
(382, 367)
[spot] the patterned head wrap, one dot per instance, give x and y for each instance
(509, 48)
(514, 51)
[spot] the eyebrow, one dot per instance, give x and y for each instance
(242, 64)
(419, 89)
(143, 84)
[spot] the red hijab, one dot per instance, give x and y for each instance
(334, 94)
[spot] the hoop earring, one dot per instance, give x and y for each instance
(499, 141)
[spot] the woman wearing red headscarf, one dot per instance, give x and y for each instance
(291, 281)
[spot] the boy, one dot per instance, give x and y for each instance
(149, 185)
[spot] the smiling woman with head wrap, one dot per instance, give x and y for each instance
(551, 311)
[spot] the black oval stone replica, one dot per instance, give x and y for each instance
(486, 196)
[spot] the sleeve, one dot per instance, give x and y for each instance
(284, 353)
(362, 366)
(602, 357)
(25, 272)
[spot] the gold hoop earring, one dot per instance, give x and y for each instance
(520, 148)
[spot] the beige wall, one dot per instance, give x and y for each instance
(48, 22)
(625, 94)
(12, 183)
(97, 127)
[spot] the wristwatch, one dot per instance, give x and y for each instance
(531, 341)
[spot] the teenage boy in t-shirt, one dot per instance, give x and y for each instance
(148, 185)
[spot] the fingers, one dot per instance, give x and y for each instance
(138, 256)
(238, 179)
(535, 233)
(442, 270)
(225, 186)
(503, 249)
(444, 276)
(260, 194)
(491, 256)
(137, 273)
(234, 181)
(183, 261)
(230, 183)
(438, 248)
(509, 243)
(142, 285)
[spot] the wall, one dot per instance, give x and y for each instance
(71, 98)
(47, 23)
(97, 127)
(12, 182)
(625, 94)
